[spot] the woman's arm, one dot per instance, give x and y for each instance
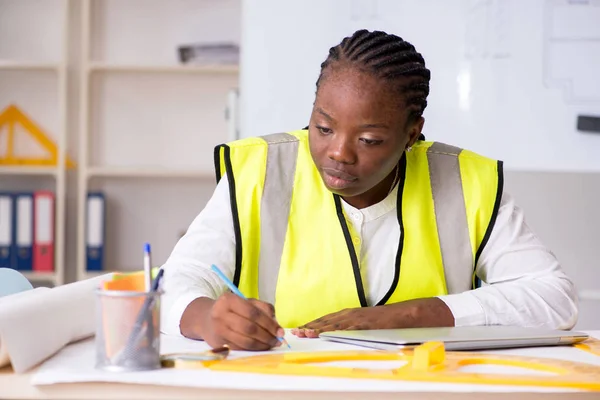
(195, 303)
(209, 240)
(430, 312)
(523, 282)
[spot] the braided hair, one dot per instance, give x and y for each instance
(387, 57)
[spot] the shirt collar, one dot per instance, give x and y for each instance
(376, 210)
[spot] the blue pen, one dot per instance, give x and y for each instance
(235, 290)
(147, 267)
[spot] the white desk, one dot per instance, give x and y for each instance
(20, 386)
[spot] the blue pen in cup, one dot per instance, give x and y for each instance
(236, 291)
(147, 267)
(132, 353)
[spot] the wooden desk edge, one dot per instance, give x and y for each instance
(18, 386)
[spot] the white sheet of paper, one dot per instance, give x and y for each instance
(37, 323)
(75, 363)
(14, 299)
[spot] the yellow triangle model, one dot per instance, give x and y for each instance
(11, 116)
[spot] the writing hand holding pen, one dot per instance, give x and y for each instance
(233, 320)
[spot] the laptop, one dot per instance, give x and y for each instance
(458, 338)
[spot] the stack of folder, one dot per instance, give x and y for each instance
(27, 231)
(95, 232)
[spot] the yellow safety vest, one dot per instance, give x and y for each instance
(296, 249)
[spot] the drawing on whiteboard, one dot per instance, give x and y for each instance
(488, 28)
(572, 49)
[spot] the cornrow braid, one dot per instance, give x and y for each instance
(388, 57)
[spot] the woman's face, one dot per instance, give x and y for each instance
(358, 131)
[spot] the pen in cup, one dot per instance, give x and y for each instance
(236, 291)
(147, 267)
(148, 285)
(143, 323)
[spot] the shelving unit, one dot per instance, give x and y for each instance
(26, 67)
(40, 276)
(26, 170)
(124, 172)
(168, 69)
(147, 124)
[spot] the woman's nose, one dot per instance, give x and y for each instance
(341, 150)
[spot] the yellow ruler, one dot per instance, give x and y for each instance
(425, 363)
(12, 116)
(590, 345)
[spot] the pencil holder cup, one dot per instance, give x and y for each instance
(127, 330)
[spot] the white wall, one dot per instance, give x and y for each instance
(562, 208)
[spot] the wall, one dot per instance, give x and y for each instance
(562, 208)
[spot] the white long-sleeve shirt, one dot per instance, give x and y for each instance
(523, 283)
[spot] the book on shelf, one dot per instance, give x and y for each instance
(95, 231)
(27, 230)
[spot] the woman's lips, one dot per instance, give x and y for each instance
(336, 179)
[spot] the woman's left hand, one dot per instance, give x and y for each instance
(408, 314)
(348, 319)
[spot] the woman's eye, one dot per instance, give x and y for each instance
(371, 141)
(323, 130)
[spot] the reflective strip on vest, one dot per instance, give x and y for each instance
(451, 216)
(448, 198)
(275, 205)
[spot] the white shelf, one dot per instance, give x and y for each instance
(141, 172)
(36, 276)
(183, 69)
(44, 33)
(95, 274)
(130, 82)
(27, 170)
(18, 65)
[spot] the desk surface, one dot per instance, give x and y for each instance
(19, 386)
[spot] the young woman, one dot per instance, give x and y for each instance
(357, 222)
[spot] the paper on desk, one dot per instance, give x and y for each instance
(75, 363)
(38, 323)
(4, 360)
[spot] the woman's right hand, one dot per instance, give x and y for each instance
(230, 320)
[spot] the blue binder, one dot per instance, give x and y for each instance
(6, 230)
(95, 232)
(23, 231)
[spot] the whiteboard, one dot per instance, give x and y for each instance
(509, 77)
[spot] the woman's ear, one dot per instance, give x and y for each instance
(415, 131)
